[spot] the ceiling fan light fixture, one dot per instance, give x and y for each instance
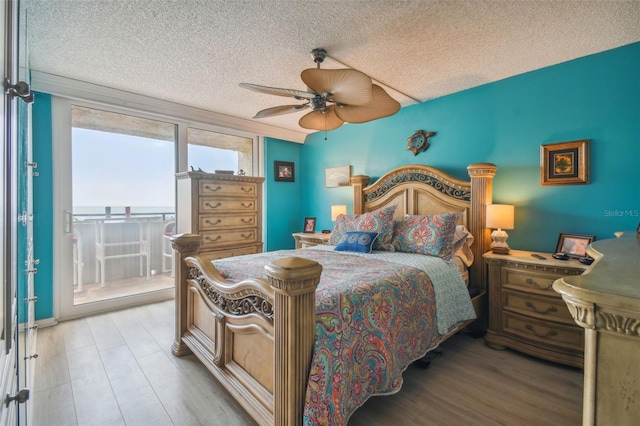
(335, 96)
(319, 120)
(318, 103)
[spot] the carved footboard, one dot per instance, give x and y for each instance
(256, 336)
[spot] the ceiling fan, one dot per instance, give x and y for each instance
(334, 97)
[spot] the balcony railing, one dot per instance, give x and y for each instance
(112, 249)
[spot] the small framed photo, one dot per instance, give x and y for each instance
(284, 171)
(574, 245)
(337, 176)
(309, 225)
(564, 163)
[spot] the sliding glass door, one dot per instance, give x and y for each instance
(118, 211)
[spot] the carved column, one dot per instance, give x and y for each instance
(185, 245)
(358, 182)
(481, 194)
(294, 281)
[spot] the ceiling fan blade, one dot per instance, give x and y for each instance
(383, 105)
(298, 94)
(317, 120)
(280, 110)
(346, 86)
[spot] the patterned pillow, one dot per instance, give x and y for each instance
(359, 241)
(380, 221)
(432, 235)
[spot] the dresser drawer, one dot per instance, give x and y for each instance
(211, 239)
(542, 332)
(227, 205)
(226, 222)
(543, 307)
(227, 189)
(220, 254)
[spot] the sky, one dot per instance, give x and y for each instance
(111, 169)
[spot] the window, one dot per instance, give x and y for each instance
(210, 151)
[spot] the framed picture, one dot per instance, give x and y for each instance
(565, 163)
(574, 245)
(284, 171)
(337, 176)
(309, 225)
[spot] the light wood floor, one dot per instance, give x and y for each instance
(117, 369)
(94, 292)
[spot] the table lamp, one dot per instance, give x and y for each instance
(499, 217)
(337, 210)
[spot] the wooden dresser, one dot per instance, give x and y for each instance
(606, 302)
(525, 313)
(225, 209)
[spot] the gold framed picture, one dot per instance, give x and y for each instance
(564, 163)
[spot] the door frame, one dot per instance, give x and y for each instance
(64, 307)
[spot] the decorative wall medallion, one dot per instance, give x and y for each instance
(419, 142)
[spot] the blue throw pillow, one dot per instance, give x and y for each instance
(359, 241)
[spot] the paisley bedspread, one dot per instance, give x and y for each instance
(373, 318)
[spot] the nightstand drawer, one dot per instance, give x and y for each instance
(529, 280)
(545, 308)
(304, 239)
(543, 332)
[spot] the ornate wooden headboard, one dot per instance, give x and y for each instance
(417, 189)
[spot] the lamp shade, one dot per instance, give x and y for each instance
(500, 216)
(337, 210)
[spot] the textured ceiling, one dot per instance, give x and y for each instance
(196, 52)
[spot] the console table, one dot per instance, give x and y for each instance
(605, 301)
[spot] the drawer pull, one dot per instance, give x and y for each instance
(213, 207)
(213, 239)
(207, 221)
(532, 282)
(243, 220)
(246, 236)
(533, 330)
(247, 206)
(218, 188)
(539, 311)
(242, 188)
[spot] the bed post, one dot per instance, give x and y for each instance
(359, 182)
(481, 194)
(294, 280)
(184, 245)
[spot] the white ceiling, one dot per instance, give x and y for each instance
(195, 52)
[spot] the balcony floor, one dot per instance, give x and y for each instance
(93, 292)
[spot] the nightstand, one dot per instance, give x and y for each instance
(307, 239)
(525, 313)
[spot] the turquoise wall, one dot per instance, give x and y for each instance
(282, 207)
(596, 97)
(43, 204)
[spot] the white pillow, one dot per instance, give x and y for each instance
(462, 241)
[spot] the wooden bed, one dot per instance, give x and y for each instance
(257, 336)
